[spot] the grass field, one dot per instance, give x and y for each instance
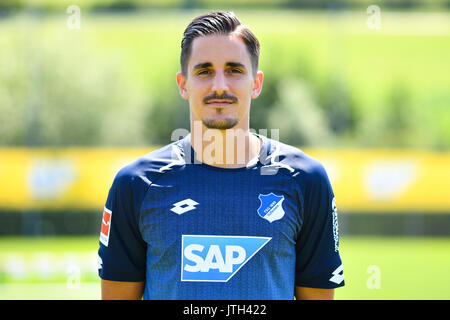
(375, 268)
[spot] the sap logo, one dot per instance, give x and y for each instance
(216, 258)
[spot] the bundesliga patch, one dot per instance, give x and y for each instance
(271, 207)
(216, 258)
(106, 226)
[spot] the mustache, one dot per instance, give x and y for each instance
(215, 96)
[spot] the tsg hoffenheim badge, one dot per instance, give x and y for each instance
(271, 207)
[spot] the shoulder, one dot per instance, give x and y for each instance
(296, 162)
(313, 185)
(146, 169)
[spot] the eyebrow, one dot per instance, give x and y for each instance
(209, 64)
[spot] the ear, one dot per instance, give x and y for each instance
(181, 81)
(257, 84)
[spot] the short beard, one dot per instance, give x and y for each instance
(224, 124)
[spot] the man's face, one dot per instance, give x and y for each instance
(220, 84)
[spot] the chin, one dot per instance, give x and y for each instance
(222, 124)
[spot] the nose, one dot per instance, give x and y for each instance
(219, 84)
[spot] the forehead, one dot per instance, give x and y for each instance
(219, 49)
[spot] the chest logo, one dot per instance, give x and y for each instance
(184, 206)
(271, 207)
(212, 258)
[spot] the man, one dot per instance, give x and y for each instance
(221, 213)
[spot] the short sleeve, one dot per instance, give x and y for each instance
(318, 262)
(122, 252)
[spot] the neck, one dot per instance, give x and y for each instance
(231, 148)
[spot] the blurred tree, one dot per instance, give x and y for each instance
(336, 101)
(298, 116)
(65, 95)
(399, 116)
(127, 5)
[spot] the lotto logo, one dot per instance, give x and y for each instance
(216, 258)
(338, 275)
(184, 206)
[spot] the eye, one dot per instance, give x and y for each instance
(204, 72)
(236, 70)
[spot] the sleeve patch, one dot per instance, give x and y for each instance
(335, 225)
(106, 227)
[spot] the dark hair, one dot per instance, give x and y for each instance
(218, 22)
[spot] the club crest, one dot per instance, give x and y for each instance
(271, 207)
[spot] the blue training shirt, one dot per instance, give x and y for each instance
(195, 231)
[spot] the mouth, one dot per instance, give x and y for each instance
(217, 102)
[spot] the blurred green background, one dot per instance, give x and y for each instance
(336, 76)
